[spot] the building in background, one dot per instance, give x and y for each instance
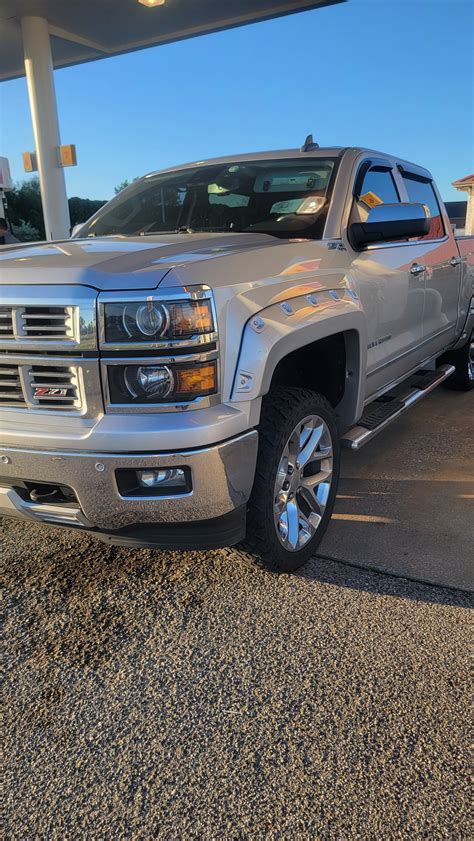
(456, 211)
(466, 184)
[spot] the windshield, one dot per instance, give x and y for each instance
(285, 198)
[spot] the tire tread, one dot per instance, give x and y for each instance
(278, 406)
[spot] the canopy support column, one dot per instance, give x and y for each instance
(44, 115)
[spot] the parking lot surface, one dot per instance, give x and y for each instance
(192, 695)
(406, 501)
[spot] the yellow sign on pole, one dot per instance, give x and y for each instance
(29, 162)
(67, 155)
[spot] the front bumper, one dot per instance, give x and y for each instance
(222, 478)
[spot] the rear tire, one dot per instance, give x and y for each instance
(296, 479)
(463, 360)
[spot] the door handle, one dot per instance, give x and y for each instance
(417, 268)
(454, 261)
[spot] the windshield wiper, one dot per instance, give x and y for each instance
(151, 233)
(183, 229)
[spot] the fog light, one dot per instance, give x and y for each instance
(173, 477)
(152, 483)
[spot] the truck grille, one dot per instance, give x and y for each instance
(37, 319)
(40, 386)
(46, 322)
(11, 392)
(37, 323)
(53, 386)
(6, 323)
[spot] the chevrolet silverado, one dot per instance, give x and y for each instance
(184, 370)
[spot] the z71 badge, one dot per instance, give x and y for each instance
(44, 391)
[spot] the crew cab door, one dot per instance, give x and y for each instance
(438, 252)
(391, 289)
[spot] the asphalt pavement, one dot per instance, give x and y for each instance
(406, 500)
(194, 696)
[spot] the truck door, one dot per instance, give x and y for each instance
(438, 252)
(392, 295)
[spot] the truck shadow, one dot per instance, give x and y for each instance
(420, 529)
(327, 570)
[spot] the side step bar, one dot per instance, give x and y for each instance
(390, 406)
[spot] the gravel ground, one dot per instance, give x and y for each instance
(182, 696)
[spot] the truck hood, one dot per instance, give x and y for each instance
(115, 263)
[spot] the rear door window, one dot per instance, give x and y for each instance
(420, 190)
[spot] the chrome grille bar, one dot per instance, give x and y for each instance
(35, 318)
(49, 321)
(11, 392)
(6, 322)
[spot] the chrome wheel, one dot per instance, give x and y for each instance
(303, 483)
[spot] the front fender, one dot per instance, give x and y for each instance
(280, 329)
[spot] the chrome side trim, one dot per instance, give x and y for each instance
(405, 243)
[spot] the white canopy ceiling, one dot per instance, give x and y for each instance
(86, 30)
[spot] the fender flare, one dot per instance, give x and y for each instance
(276, 331)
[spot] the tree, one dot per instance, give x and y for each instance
(123, 184)
(26, 213)
(24, 206)
(25, 232)
(80, 210)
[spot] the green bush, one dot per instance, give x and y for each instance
(25, 232)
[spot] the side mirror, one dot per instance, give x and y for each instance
(390, 222)
(76, 229)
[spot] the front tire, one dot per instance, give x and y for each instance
(296, 478)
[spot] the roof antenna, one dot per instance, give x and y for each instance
(309, 145)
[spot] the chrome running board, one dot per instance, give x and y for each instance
(387, 408)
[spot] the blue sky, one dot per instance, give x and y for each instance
(395, 75)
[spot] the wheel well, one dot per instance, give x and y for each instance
(320, 366)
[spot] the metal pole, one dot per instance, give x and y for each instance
(44, 115)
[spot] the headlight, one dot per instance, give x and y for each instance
(152, 321)
(154, 381)
(149, 384)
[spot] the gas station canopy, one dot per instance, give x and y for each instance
(92, 29)
(37, 36)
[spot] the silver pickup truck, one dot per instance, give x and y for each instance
(184, 370)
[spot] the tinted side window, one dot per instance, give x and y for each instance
(422, 192)
(378, 187)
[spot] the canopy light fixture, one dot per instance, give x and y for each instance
(152, 2)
